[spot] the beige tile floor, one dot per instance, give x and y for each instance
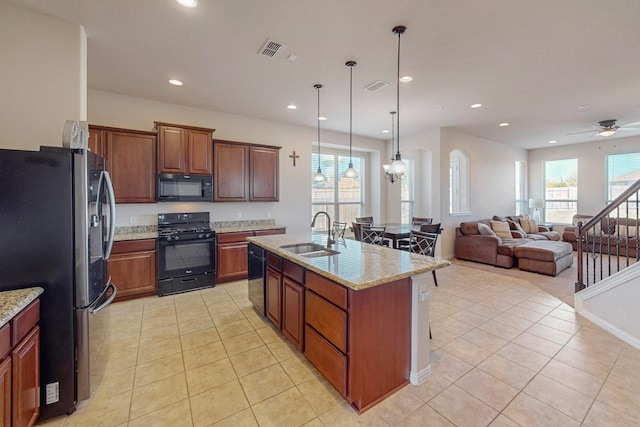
(504, 353)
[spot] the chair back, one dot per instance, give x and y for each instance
(374, 235)
(338, 230)
(357, 229)
(422, 243)
(431, 228)
(364, 219)
(419, 221)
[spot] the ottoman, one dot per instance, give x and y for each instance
(545, 257)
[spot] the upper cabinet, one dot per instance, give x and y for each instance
(130, 159)
(184, 149)
(245, 172)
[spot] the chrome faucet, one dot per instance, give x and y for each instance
(330, 241)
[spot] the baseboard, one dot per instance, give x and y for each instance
(612, 329)
(420, 377)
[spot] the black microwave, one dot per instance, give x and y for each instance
(185, 188)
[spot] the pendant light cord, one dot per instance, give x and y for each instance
(351, 64)
(398, 95)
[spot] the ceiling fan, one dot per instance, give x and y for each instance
(609, 127)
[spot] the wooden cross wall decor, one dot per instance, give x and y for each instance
(294, 156)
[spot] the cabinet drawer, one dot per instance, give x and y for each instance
(293, 270)
(5, 341)
(327, 319)
(274, 261)
(124, 246)
(270, 232)
(329, 361)
(234, 237)
(327, 289)
(24, 321)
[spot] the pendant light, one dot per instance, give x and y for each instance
(319, 176)
(398, 166)
(392, 177)
(350, 172)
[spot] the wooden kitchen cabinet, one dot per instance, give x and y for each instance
(245, 172)
(273, 295)
(130, 159)
(184, 149)
(20, 368)
(231, 253)
(293, 311)
(133, 269)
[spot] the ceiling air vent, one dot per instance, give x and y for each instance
(376, 86)
(271, 48)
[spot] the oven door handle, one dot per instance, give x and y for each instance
(110, 285)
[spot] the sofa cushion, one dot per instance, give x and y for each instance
(485, 230)
(508, 246)
(501, 229)
(469, 228)
(528, 225)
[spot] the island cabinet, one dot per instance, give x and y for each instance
(130, 159)
(245, 172)
(184, 149)
(360, 340)
(20, 368)
(231, 253)
(133, 269)
(284, 283)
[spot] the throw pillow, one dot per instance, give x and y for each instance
(631, 231)
(485, 230)
(501, 229)
(529, 225)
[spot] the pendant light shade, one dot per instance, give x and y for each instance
(391, 171)
(350, 172)
(398, 166)
(319, 176)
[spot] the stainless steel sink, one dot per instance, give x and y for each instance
(309, 249)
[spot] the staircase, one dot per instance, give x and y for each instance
(609, 242)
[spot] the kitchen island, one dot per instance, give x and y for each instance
(360, 315)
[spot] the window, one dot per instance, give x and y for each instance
(521, 187)
(622, 171)
(458, 182)
(561, 190)
(406, 193)
(344, 200)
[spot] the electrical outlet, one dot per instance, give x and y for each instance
(133, 220)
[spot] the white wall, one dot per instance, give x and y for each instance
(591, 168)
(491, 181)
(42, 77)
(294, 208)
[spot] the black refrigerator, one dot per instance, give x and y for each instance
(57, 216)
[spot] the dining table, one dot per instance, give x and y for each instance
(396, 231)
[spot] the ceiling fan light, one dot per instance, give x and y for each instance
(607, 132)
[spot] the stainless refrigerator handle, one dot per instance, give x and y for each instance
(107, 302)
(112, 214)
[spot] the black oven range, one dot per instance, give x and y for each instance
(186, 252)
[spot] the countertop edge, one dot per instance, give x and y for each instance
(13, 302)
(123, 237)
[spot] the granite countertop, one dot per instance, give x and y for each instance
(358, 265)
(151, 231)
(12, 302)
(240, 228)
(135, 236)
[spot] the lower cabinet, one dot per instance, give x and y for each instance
(293, 311)
(231, 253)
(273, 289)
(133, 268)
(20, 369)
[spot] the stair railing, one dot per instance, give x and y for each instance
(614, 245)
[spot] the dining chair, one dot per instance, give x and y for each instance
(374, 235)
(424, 243)
(419, 221)
(403, 244)
(338, 230)
(357, 229)
(364, 219)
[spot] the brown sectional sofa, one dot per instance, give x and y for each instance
(611, 236)
(472, 246)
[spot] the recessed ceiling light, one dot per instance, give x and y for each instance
(503, 124)
(385, 131)
(292, 107)
(406, 79)
(476, 105)
(175, 82)
(582, 107)
(553, 141)
(322, 118)
(188, 3)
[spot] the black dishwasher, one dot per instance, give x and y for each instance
(257, 267)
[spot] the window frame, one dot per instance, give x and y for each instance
(409, 181)
(548, 207)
